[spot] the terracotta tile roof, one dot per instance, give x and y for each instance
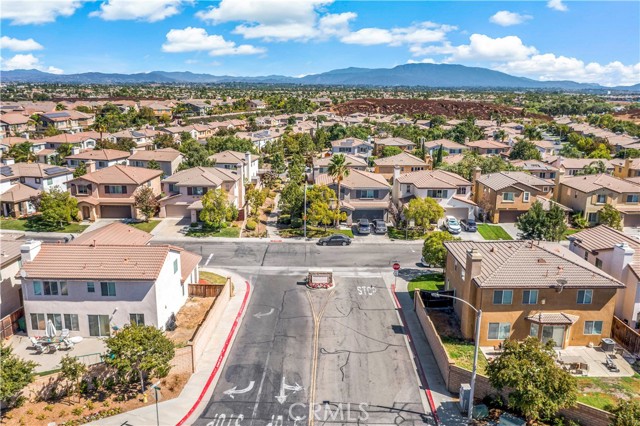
(100, 154)
(579, 163)
(501, 180)
(394, 142)
(9, 252)
(357, 179)
(590, 183)
(487, 144)
(188, 262)
(38, 170)
(453, 159)
(351, 160)
(536, 165)
(527, 264)
(203, 176)
(446, 143)
(114, 234)
(357, 204)
(346, 142)
(230, 157)
(19, 192)
(433, 179)
(402, 159)
(122, 175)
(12, 140)
(553, 318)
(161, 155)
(13, 119)
(73, 137)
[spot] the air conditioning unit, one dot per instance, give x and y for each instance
(465, 394)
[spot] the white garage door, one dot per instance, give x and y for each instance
(458, 212)
(177, 211)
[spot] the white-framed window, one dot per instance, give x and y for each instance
(50, 288)
(38, 322)
(529, 297)
(499, 330)
(502, 297)
(115, 189)
(592, 217)
(601, 199)
(91, 287)
(461, 190)
(71, 322)
(507, 197)
(585, 297)
(593, 327)
(108, 288)
(49, 181)
(137, 319)
(82, 189)
(526, 196)
(437, 193)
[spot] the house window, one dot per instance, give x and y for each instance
(37, 288)
(175, 266)
(38, 180)
(593, 327)
(543, 175)
(99, 325)
(82, 189)
(49, 181)
(526, 196)
(601, 199)
(530, 297)
(137, 319)
(71, 322)
(585, 297)
(55, 288)
(552, 175)
(598, 263)
(102, 164)
(437, 193)
(91, 287)
(408, 189)
(502, 297)
(56, 319)
(586, 255)
(507, 197)
(22, 180)
(499, 330)
(592, 217)
(632, 198)
(115, 189)
(108, 288)
(38, 322)
(545, 189)
(461, 190)
(534, 330)
(367, 193)
(462, 274)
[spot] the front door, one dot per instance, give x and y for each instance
(555, 333)
(86, 213)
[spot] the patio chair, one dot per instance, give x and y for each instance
(64, 333)
(36, 345)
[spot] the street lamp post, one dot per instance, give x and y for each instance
(156, 388)
(304, 223)
(475, 350)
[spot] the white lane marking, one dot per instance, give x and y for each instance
(208, 259)
(234, 390)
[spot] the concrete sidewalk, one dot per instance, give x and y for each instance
(446, 405)
(172, 411)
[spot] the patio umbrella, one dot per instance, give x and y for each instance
(50, 331)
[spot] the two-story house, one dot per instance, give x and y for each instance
(527, 288)
(14, 124)
(618, 255)
(504, 196)
(537, 168)
(448, 146)
(102, 157)
(363, 195)
(20, 182)
(450, 190)
(628, 168)
(93, 288)
(110, 192)
(488, 147)
(402, 143)
(589, 193)
(353, 146)
(260, 138)
(10, 264)
(321, 165)
(185, 189)
(248, 163)
(67, 121)
(406, 162)
(143, 137)
(168, 159)
(575, 166)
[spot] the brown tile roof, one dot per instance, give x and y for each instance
(501, 180)
(527, 264)
(394, 142)
(12, 140)
(357, 179)
(114, 234)
(230, 157)
(100, 154)
(349, 142)
(9, 252)
(553, 318)
(579, 163)
(13, 119)
(536, 165)
(402, 159)
(164, 154)
(73, 137)
(203, 176)
(446, 143)
(590, 183)
(453, 159)
(18, 193)
(188, 262)
(122, 175)
(487, 144)
(602, 237)
(351, 160)
(433, 179)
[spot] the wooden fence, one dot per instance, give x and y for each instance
(9, 324)
(626, 336)
(205, 290)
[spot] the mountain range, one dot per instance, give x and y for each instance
(411, 75)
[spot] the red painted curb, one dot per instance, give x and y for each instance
(427, 389)
(220, 358)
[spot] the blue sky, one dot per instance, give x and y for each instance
(586, 41)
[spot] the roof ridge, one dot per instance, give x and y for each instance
(602, 274)
(120, 167)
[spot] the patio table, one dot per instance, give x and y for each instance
(571, 359)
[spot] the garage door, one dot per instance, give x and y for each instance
(632, 220)
(458, 212)
(115, 212)
(509, 216)
(368, 214)
(177, 211)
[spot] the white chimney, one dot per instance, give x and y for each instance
(91, 166)
(622, 256)
(396, 172)
(9, 161)
(247, 160)
(75, 150)
(30, 250)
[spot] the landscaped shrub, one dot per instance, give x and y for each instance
(251, 225)
(296, 222)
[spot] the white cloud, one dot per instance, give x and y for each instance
(146, 10)
(481, 48)
(27, 62)
(193, 39)
(19, 45)
(21, 12)
(557, 5)
(422, 61)
(506, 18)
(335, 24)
(416, 35)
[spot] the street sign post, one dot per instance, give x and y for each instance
(396, 266)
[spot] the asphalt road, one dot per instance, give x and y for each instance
(351, 337)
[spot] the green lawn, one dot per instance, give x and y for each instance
(313, 232)
(146, 226)
(461, 352)
(211, 278)
(493, 232)
(569, 232)
(601, 392)
(34, 224)
(401, 234)
(230, 232)
(431, 282)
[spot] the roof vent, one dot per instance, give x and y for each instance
(541, 260)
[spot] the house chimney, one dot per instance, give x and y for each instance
(477, 171)
(466, 141)
(474, 263)
(30, 250)
(556, 188)
(622, 257)
(626, 168)
(9, 161)
(91, 166)
(75, 150)
(132, 151)
(396, 172)
(247, 160)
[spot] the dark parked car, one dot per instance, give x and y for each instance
(469, 225)
(379, 227)
(335, 240)
(364, 227)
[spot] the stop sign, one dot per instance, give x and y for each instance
(396, 266)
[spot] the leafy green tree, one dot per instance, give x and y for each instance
(579, 221)
(140, 349)
(217, 144)
(57, 208)
(338, 169)
(64, 150)
(424, 211)
(214, 208)
(72, 371)
(292, 200)
(628, 153)
(51, 131)
(22, 153)
(570, 151)
(433, 250)
(608, 215)
(532, 133)
(146, 201)
(153, 165)
(471, 160)
(627, 413)
(556, 223)
(465, 130)
(195, 155)
(524, 150)
(255, 198)
(320, 199)
(533, 224)
(80, 170)
(165, 140)
(15, 375)
(593, 168)
(277, 163)
(500, 135)
(439, 156)
(601, 151)
(390, 151)
(295, 171)
(537, 386)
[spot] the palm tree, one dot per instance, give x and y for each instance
(338, 169)
(22, 153)
(100, 126)
(500, 135)
(594, 168)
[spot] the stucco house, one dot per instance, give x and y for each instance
(249, 164)
(406, 162)
(168, 159)
(401, 143)
(353, 146)
(321, 165)
(448, 146)
(10, 264)
(101, 157)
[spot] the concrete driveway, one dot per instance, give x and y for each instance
(170, 228)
